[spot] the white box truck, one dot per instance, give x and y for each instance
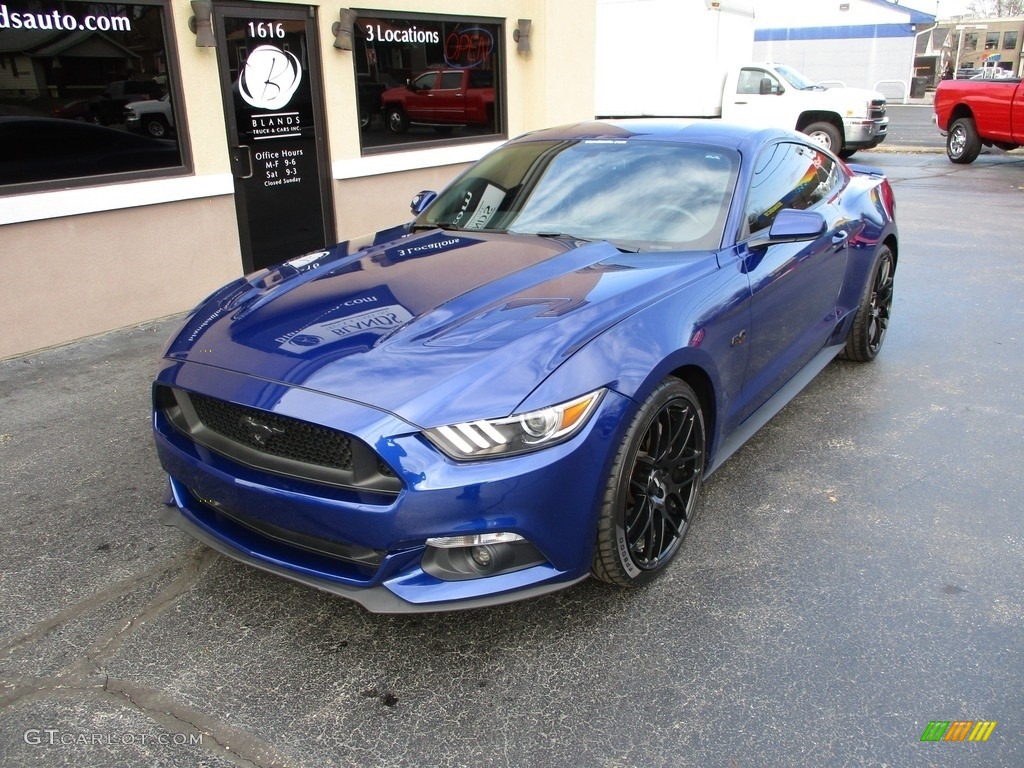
(687, 58)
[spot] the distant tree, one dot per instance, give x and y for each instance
(993, 9)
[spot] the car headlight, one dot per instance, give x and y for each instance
(516, 434)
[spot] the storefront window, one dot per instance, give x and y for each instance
(427, 79)
(85, 92)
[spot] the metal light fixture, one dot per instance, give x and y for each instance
(521, 34)
(202, 23)
(343, 29)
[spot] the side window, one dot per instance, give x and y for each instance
(789, 175)
(86, 91)
(756, 81)
(425, 82)
(451, 81)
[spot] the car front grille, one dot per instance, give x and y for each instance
(275, 443)
(877, 109)
(276, 435)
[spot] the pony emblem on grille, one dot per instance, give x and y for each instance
(259, 432)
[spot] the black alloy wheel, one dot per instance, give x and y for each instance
(653, 487)
(872, 320)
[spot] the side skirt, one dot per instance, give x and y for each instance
(773, 405)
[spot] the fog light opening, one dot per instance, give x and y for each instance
(475, 556)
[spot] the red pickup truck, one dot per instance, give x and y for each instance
(441, 97)
(972, 113)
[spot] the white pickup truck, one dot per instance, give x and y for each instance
(703, 79)
(842, 119)
(152, 116)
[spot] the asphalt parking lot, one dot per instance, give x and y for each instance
(854, 573)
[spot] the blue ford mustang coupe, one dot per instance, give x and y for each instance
(527, 384)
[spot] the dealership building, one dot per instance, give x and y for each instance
(153, 150)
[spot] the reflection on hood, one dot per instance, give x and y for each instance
(370, 313)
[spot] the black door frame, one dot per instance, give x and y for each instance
(242, 165)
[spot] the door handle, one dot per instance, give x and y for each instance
(840, 238)
(241, 162)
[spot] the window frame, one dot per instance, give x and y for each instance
(745, 86)
(841, 179)
(500, 83)
(173, 89)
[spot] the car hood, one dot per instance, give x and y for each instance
(436, 327)
(858, 96)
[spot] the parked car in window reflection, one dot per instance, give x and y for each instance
(109, 106)
(44, 149)
(74, 110)
(154, 117)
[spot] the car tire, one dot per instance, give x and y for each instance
(651, 495)
(396, 120)
(872, 319)
(962, 142)
(156, 127)
(825, 134)
(846, 154)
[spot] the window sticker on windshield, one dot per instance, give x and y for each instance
(490, 199)
(309, 258)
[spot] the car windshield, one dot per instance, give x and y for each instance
(797, 79)
(638, 195)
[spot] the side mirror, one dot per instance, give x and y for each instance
(421, 201)
(765, 86)
(791, 226)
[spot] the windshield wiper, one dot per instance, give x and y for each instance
(567, 236)
(559, 236)
(438, 225)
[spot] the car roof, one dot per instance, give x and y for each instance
(678, 130)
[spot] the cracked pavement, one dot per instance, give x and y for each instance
(854, 573)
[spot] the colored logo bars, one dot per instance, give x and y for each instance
(958, 730)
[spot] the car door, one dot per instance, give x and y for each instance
(419, 104)
(794, 286)
(1017, 114)
(758, 99)
(450, 98)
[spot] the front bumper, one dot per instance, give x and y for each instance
(383, 598)
(862, 133)
(370, 547)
